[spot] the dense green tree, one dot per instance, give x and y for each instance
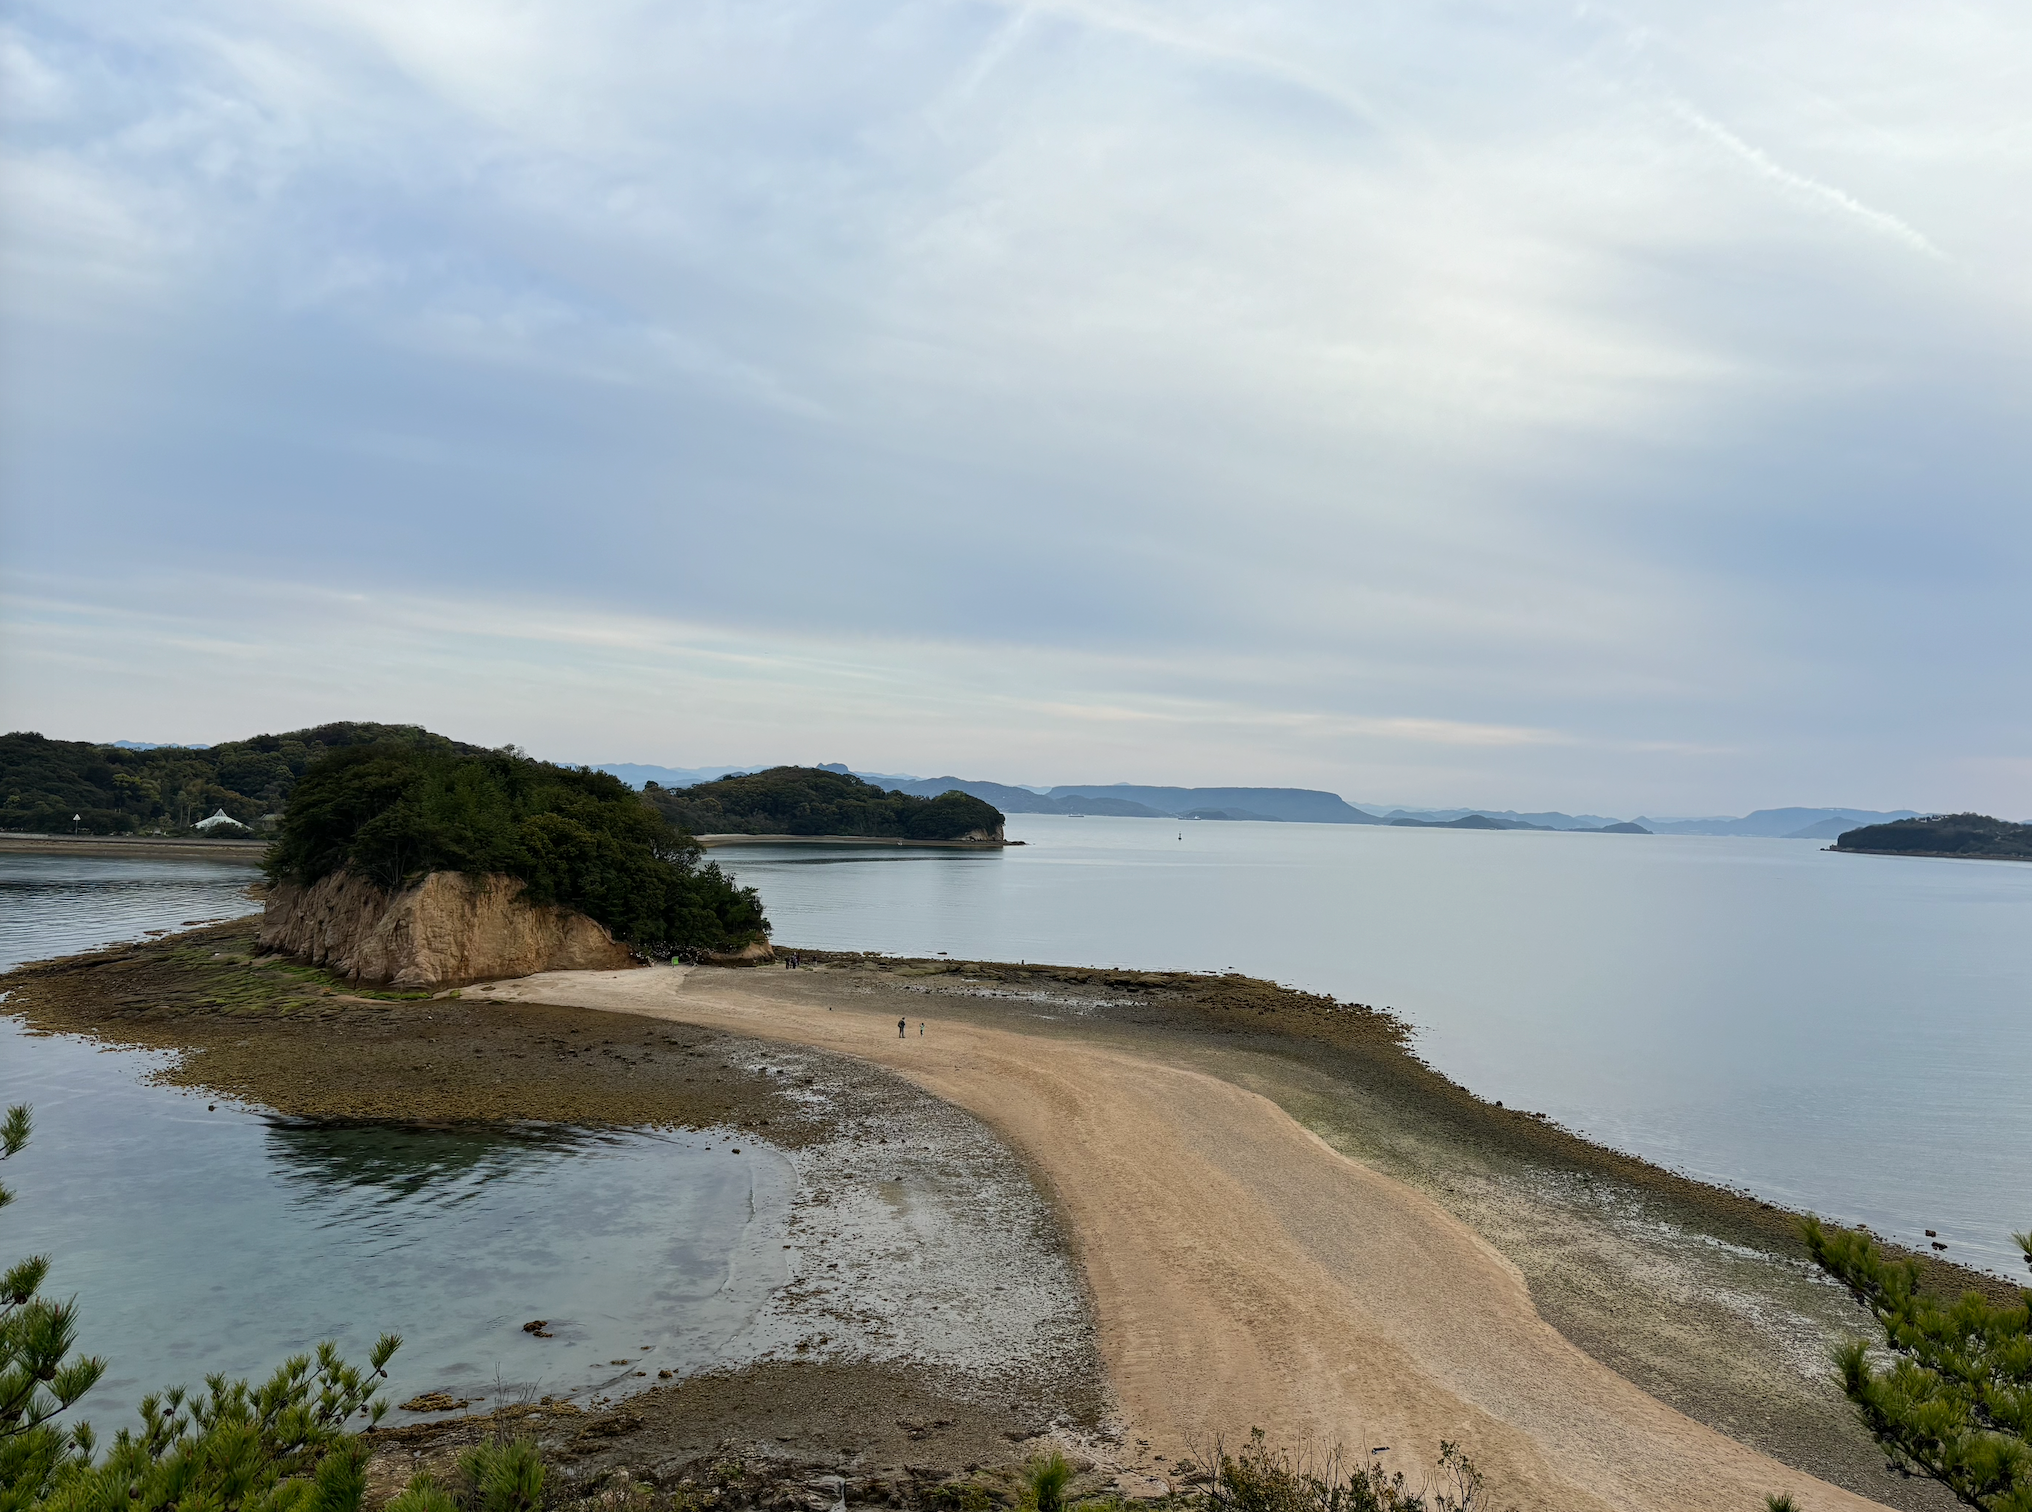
(44, 782)
(812, 801)
(1943, 835)
(1955, 1402)
(396, 810)
(39, 1378)
(285, 1446)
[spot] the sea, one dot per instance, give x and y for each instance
(1850, 1035)
(199, 1236)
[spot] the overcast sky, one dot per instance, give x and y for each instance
(1519, 404)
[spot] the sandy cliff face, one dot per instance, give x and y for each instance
(445, 931)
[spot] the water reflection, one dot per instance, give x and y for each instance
(402, 1162)
(60, 905)
(201, 1237)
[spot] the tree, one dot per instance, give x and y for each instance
(393, 811)
(286, 1446)
(1955, 1402)
(38, 1379)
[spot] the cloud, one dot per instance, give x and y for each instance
(1438, 386)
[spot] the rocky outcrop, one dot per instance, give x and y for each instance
(444, 931)
(748, 955)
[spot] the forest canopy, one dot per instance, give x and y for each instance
(810, 801)
(394, 811)
(1943, 835)
(116, 790)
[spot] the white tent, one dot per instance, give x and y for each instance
(219, 820)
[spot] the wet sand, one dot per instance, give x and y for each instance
(1284, 1218)
(1245, 1272)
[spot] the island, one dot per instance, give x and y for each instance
(414, 863)
(1974, 836)
(811, 803)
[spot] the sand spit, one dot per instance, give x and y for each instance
(1243, 1270)
(1280, 1215)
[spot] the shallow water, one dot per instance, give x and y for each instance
(1847, 1034)
(201, 1238)
(59, 905)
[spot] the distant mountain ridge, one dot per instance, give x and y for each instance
(1131, 800)
(1293, 805)
(1778, 823)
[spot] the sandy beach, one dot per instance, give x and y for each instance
(1281, 1218)
(1244, 1272)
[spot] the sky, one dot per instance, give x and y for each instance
(1619, 408)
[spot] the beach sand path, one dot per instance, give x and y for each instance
(1244, 1273)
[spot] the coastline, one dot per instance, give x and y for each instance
(1697, 1294)
(191, 848)
(711, 842)
(129, 847)
(1849, 850)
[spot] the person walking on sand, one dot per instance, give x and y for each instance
(920, 1028)
(901, 1026)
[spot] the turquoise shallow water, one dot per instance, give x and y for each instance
(201, 1239)
(1848, 1034)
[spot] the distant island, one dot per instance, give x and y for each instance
(812, 801)
(1484, 822)
(139, 787)
(1976, 836)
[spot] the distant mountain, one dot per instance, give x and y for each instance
(155, 745)
(1552, 819)
(1293, 805)
(1776, 824)
(1015, 800)
(1290, 805)
(890, 782)
(636, 775)
(1825, 829)
(1470, 819)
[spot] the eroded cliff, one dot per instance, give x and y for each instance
(444, 931)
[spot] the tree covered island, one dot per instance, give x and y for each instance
(1973, 835)
(810, 801)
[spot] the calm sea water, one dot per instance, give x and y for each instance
(1847, 1034)
(201, 1238)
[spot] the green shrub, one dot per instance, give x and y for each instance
(502, 1475)
(393, 812)
(1956, 1401)
(286, 1446)
(38, 1378)
(1261, 1479)
(1044, 1482)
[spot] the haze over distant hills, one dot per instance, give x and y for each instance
(1779, 823)
(1293, 805)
